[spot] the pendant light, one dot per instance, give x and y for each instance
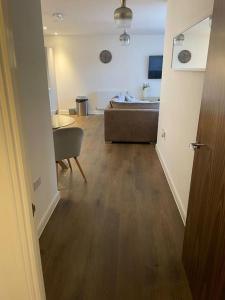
(179, 40)
(123, 16)
(125, 39)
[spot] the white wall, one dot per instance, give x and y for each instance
(80, 72)
(180, 102)
(34, 105)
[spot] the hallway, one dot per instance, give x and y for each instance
(118, 237)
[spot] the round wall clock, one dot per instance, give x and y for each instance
(184, 56)
(105, 56)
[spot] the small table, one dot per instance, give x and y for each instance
(59, 121)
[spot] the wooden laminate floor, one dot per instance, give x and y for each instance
(120, 236)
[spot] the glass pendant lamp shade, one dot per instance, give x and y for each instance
(179, 40)
(125, 39)
(123, 16)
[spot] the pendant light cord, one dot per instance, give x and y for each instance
(123, 3)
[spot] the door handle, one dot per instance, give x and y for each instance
(196, 146)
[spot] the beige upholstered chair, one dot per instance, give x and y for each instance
(67, 143)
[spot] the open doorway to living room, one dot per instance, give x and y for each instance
(109, 237)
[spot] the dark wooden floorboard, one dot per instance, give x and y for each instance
(118, 237)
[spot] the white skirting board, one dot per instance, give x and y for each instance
(95, 112)
(48, 213)
(63, 111)
(172, 187)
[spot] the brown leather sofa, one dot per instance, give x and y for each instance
(131, 122)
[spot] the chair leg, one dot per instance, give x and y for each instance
(79, 166)
(69, 164)
(62, 164)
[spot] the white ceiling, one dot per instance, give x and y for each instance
(96, 16)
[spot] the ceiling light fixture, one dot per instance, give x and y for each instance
(123, 16)
(179, 40)
(125, 39)
(45, 27)
(58, 16)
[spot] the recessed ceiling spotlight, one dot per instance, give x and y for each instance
(56, 33)
(58, 16)
(45, 27)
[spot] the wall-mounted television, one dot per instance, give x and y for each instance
(155, 67)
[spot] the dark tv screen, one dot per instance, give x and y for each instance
(155, 67)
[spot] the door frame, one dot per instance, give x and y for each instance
(17, 187)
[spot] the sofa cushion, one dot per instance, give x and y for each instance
(119, 98)
(129, 98)
(135, 105)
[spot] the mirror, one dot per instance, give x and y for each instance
(190, 48)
